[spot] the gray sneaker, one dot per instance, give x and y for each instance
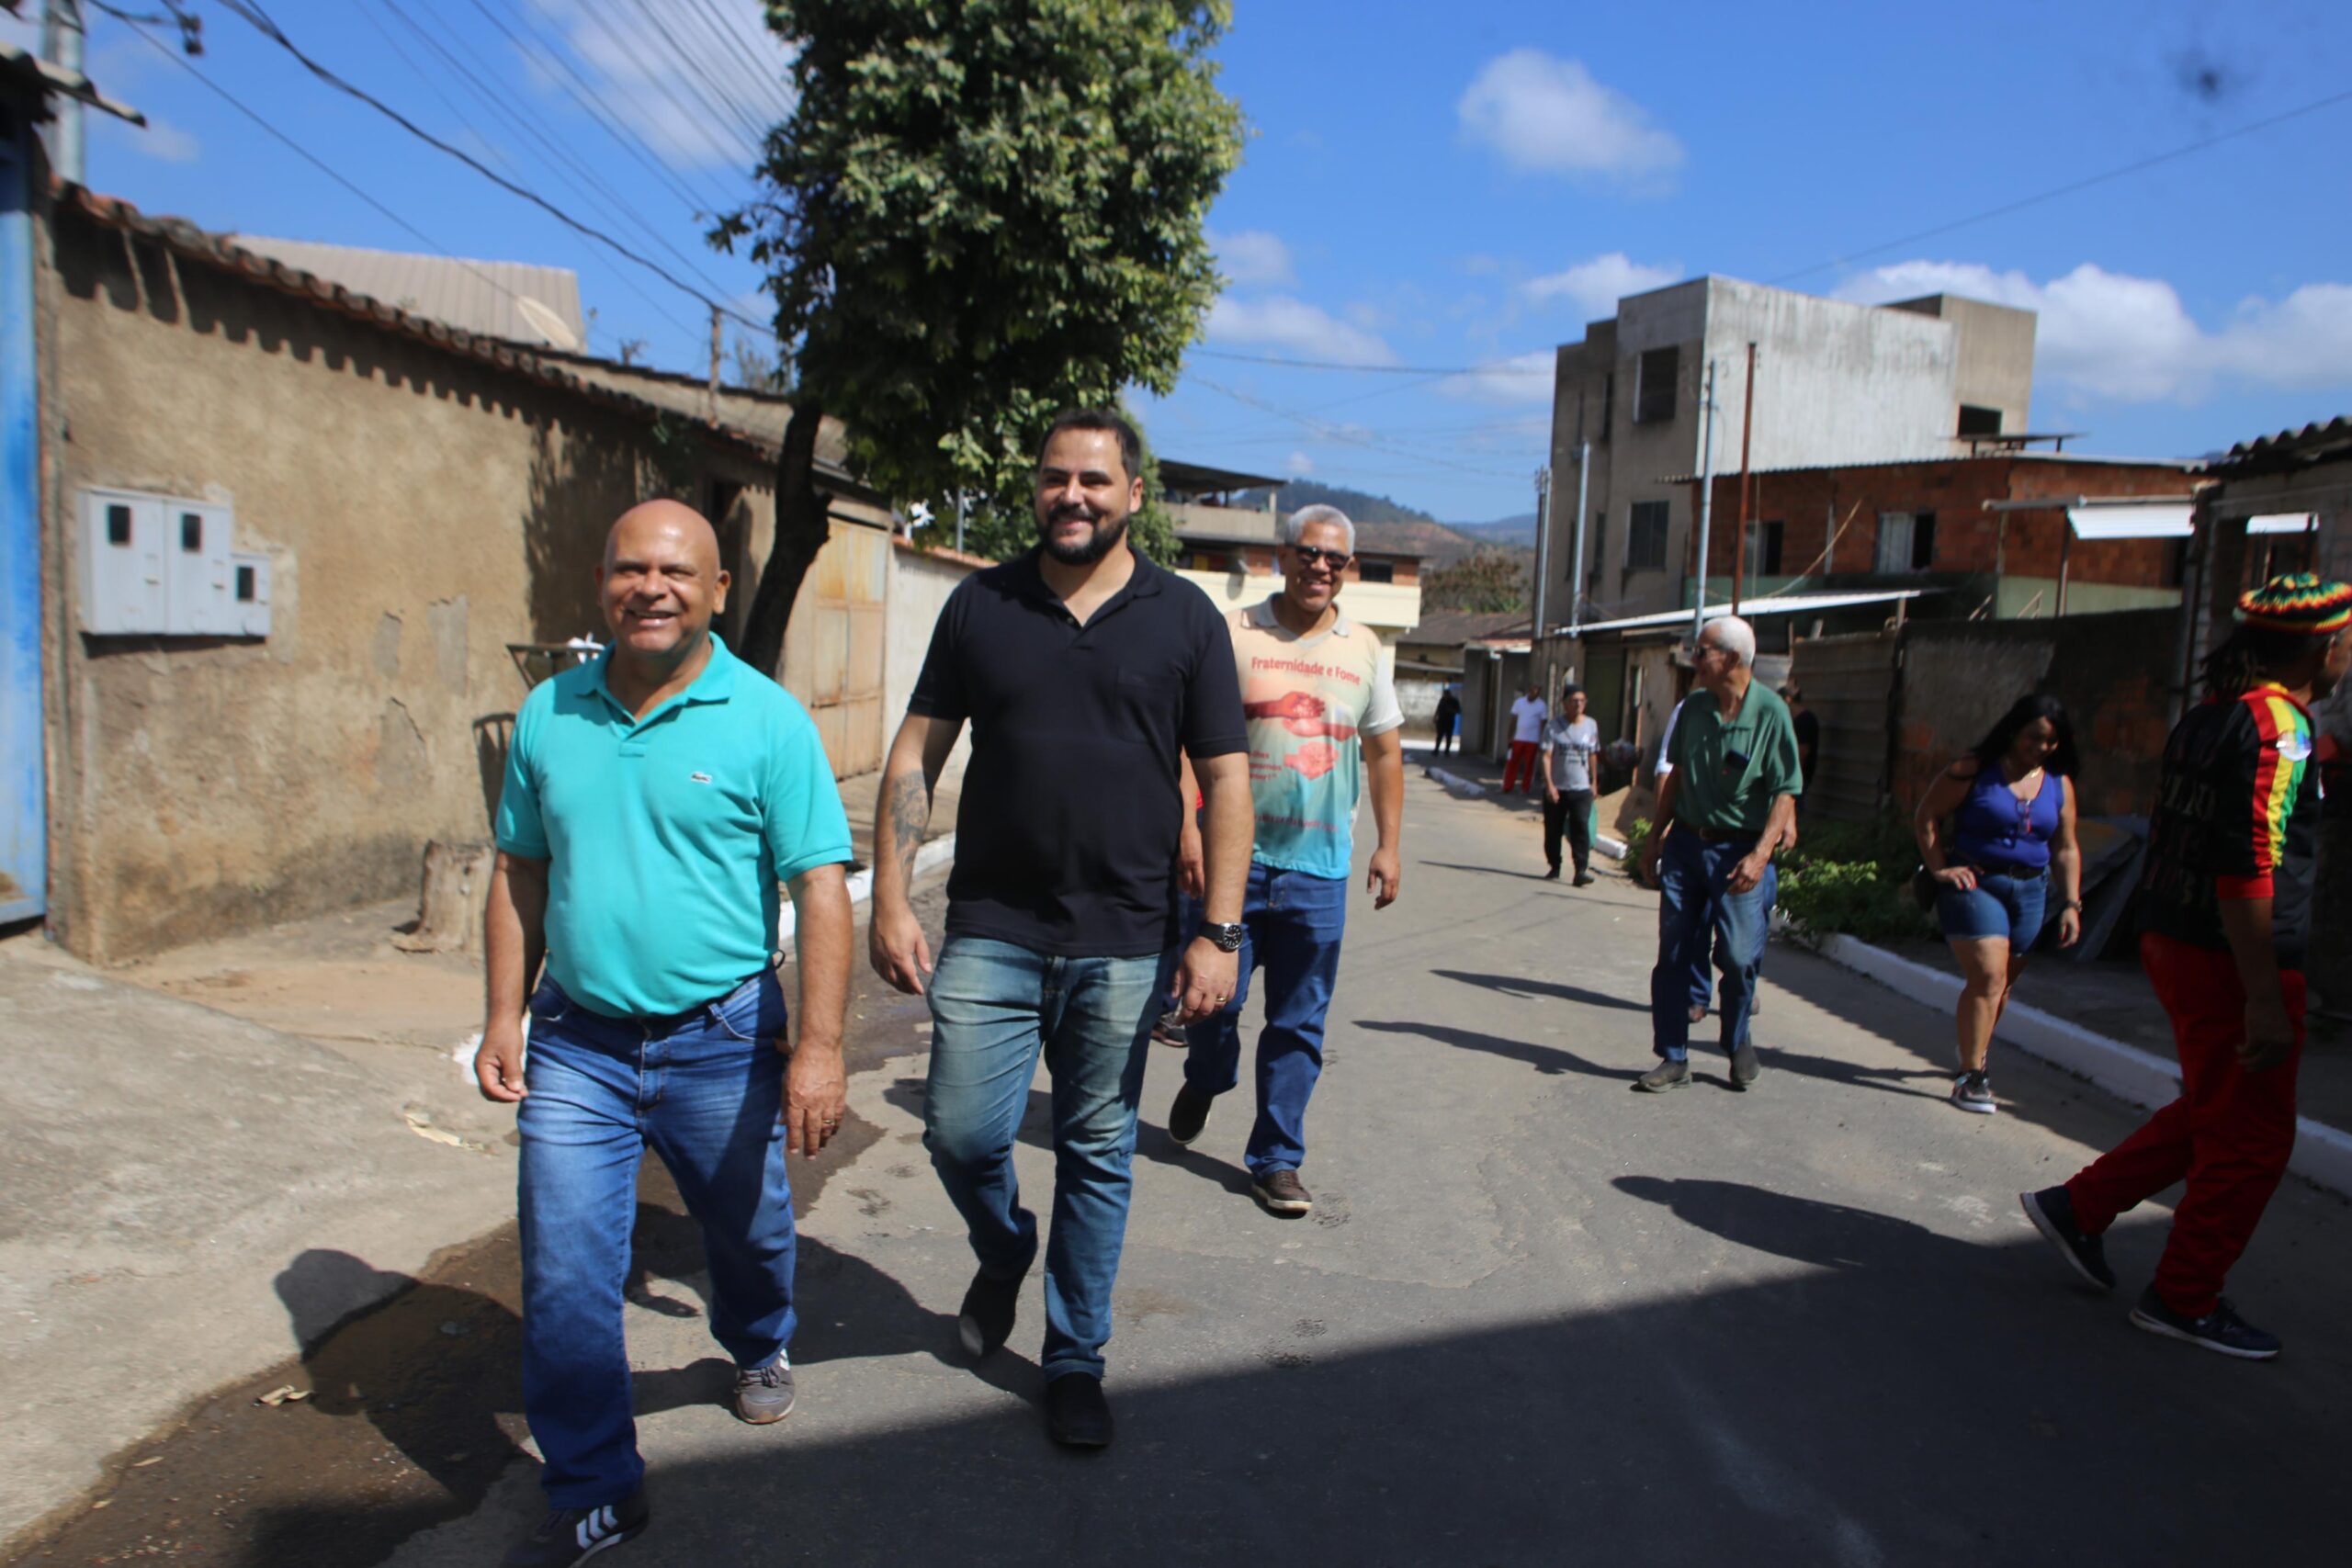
(1745, 1067)
(1663, 1077)
(1974, 1091)
(764, 1394)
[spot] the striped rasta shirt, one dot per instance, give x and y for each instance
(2237, 816)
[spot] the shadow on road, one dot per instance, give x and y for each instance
(1551, 1059)
(1527, 989)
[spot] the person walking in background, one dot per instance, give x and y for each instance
(1323, 721)
(1085, 672)
(654, 799)
(1571, 742)
(2224, 907)
(1449, 719)
(1722, 812)
(2011, 802)
(1527, 716)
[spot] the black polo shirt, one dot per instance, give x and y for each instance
(1066, 839)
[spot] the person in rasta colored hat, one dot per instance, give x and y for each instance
(2224, 912)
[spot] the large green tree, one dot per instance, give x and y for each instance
(979, 212)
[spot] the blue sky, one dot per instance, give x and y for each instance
(1449, 190)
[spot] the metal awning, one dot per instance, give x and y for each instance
(1778, 605)
(2283, 523)
(2160, 520)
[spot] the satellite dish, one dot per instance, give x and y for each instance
(549, 325)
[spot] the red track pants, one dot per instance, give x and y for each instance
(2228, 1136)
(1525, 755)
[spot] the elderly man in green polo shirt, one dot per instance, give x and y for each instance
(1729, 802)
(654, 801)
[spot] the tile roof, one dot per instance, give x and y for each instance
(2288, 449)
(1451, 629)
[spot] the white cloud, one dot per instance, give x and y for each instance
(1522, 378)
(1253, 256)
(1298, 465)
(1595, 287)
(2131, 340)
(1547, 115)
(1303, 330)
(158, 139)
(678, 114)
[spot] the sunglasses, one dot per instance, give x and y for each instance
(1309, 554)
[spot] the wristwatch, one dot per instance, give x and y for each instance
(1227, 937)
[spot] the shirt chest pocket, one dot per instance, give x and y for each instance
(1144, 699)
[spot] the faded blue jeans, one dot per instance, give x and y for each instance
(1695, 911)
(1292, 924)
(705, 1090)
(997, 1008)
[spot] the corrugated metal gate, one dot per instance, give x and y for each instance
(1850, 685)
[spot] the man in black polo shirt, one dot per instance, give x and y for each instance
(1084, 670)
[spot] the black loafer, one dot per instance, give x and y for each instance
(1077, 1416)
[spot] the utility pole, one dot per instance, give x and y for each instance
(1576, 582)
(61, 45)
(1706, 498)
(714, 365)
(1747, 429)
(1542, 551)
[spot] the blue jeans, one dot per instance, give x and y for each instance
(997, 1008)
(1694, 910)
(705, 1092)
(1292, 924)
(2011, 908)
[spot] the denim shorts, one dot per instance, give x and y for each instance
(1998, 906)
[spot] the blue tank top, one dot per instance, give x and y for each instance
(1993, 828)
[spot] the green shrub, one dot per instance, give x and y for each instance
(1637, 834)
(1854, 879)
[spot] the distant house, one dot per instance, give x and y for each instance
(1228, 550)
(1432, 656)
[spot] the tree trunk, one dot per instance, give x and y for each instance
(801, 531)
(457, 893)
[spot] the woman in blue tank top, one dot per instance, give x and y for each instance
(2011, 805)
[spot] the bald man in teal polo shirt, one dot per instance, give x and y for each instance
(654, 801)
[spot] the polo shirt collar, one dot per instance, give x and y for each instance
(1146, 580)
(1262, 615)
(715, 684)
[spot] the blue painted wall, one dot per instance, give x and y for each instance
(23, 843)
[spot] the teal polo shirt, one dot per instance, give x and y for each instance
(1727, 772)
(666, 836)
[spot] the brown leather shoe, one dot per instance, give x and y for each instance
(1282, 1192)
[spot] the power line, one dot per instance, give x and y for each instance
(767, 92)
(1344, 437)
(1342, 365)
(700, 77)
(635, 49)
(250, 12)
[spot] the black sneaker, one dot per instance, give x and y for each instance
(1552, 874)
(1188, 1117)
(764, 1394)
(1973, 1092)
(1584, 879)
(2051, 1210)
(575, 1535)
(1663, 1077)
(1744, 1067)
(2221, 1330)
(989, 1306)
(1282, 1192)
(1077, 1416)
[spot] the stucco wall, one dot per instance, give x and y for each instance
(420, 510)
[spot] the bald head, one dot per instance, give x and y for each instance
(673, 520)
(660, 583)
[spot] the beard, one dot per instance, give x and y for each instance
(1107, 536)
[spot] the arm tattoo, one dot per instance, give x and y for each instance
(910, 818)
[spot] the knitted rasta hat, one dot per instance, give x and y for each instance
(2303, 602)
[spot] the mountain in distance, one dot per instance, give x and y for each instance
(1514, 532)
(1361, 506)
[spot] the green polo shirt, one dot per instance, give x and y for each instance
(1727, 772)
(666, 836)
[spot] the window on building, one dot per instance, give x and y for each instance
(1764, 548)
(1608, 404)
(1376, 572)
(1654, 394)
(1645, 532)
(1213, 560)
(1975, 421)
(1906, 541)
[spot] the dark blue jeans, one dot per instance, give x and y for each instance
(997, 1008)
(1695, 911)
(1292, 924)
(707, 1092)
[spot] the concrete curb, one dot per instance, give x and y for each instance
(2322, 1153)
(1471, 789)
(935, 853)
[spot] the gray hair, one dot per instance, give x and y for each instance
(1306, 518)
(1734, 637)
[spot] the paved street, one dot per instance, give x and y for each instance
(1535, 1319)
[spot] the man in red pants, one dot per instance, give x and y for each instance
(2225, 913)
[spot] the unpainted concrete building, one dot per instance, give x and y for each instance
(1836, 383)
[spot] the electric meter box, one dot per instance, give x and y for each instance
(160, 566)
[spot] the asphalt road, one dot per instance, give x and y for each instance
(1535, 1318)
